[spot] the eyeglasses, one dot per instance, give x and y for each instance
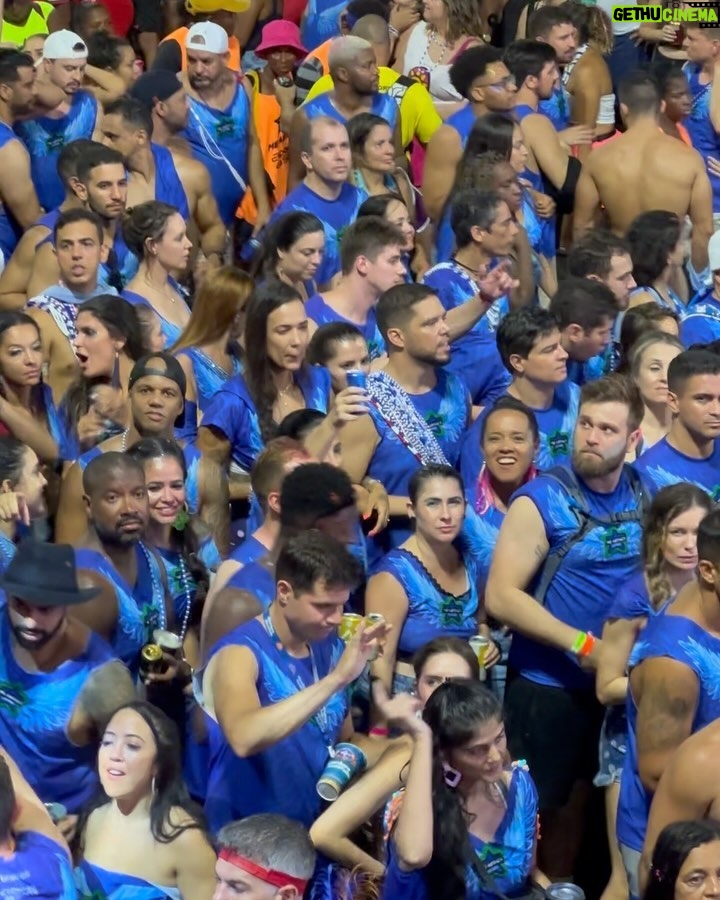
(503, 85)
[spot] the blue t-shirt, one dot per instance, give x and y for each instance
(321, 21)
(701, 323)
(283, 777)
(632, 600)
(38, 868)
(335, 215)
(683, 640)
(232, 411)
(508, 857)
(556, 425)
(432, 612)
(474, 356)
(662, 465)
(250, 550)
(322, 314)
(588, 578)
(219, 139)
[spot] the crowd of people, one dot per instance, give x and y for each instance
(359, 451)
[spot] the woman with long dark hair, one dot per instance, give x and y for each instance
(209, 347)
(109, 342)
(657, 249)
(685, 859)
(669, 552)
(292, 252)
(22, 490)
(144, 834)
(157, 235)
(276, 380)
(27, 409)
(463, 803)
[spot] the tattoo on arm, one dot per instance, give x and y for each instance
(664, 718)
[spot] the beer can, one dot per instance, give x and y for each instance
(349, 624)
(56, 811)
(168, 641)
(564, 891)
(374, 619)
(356, 379)
(151, 660)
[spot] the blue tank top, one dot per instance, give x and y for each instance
(382, 105)
(45, 138)
(249, 551)
(321, 21)
(7, 551)
(508, 857)
(282, 778)
(474, 357)
(662, 465)
(589, 577)
(556, 425)
(675, 305)
(170, 331)
(557, 108)
(322, 314)
(209, 378)
(36, 710)
(335, 215)
(432, 612)
(256, 580)
(93, 883)
(700, 128)
(540, 232)
(462, 121)
(681, 639)
(141, 608)
(480, 534)
(121, 266)
(38, 868)
(10, 230)
(214, 133)
(168, 187)
(232, 411)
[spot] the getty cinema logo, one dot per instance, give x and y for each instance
(693, 15)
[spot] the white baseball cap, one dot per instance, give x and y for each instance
(207, 37)
(714, 252)
(64, 45)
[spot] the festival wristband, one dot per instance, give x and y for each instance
(269, 876)
(584, 644)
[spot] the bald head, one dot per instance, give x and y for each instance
(105, 467)
(376, 31)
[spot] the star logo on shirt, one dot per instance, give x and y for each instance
(12, 697)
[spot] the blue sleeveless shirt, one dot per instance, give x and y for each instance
(699, 126)
(45, 137)
(281, 778)
(432, 612)
(209, 379)
(462, 121)
(168, 187)
(10, 230)
(93, 883)
(141, 608)
(680, 639)
(35, 711)
(256, 580)
(170, 331)
(225, 130)
(382, 105)
(38, 867)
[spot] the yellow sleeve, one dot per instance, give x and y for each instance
(321, 86)
(416, 107)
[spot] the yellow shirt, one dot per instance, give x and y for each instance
(418, 116)
(36, 24)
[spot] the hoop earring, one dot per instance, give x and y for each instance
(153, 786)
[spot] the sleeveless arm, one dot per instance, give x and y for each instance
(71, 520)
(386, 595)
(214, 503)
(444, 152)
(618, 638)
(16, 185)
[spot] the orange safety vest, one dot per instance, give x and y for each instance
(322, 53)
(273, 146)
(180, 35)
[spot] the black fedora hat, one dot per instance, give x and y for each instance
(45, 575)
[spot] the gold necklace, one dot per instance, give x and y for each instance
(168, 296)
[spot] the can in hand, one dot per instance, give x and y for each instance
(284, 81)
(349, 625)
(564, 891)
(356, 379)
(151, 661)
(374, 619)
(168, 641)
(480, 646)
(56, 811)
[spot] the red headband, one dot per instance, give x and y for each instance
(277, 879)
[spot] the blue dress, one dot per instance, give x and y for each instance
(508, 857)
(170, 331)
(94, 883)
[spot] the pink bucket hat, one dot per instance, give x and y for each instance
(280, 33)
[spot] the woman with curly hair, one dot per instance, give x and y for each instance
(448, 28)
(670, 557)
